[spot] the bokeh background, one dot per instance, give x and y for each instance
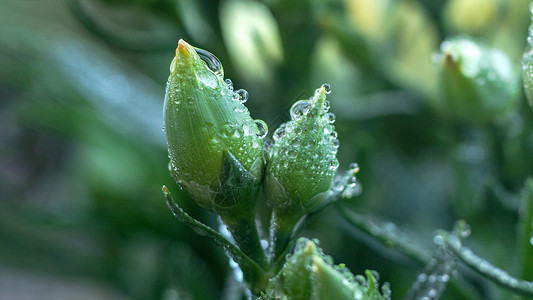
(83, 155)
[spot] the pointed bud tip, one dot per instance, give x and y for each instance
(449, 58)
(183, 48)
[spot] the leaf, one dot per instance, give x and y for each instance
(252, 272)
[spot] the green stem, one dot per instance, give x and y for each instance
(281, 227)
(485, 268)
(398, 241)
(246, 236)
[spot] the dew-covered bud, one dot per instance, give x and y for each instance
(207, 123)
(309, 274)
(215, 147)
(302, 161)
(477, 83)
(300, 166)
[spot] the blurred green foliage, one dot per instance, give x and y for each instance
(83, 155)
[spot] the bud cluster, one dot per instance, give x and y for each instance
(219, 156)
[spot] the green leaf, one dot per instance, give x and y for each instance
(235, 203)
(253, 274)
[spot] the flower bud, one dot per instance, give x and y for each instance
(477, 83)
(303, 160)
(206, 124)
(309, 274)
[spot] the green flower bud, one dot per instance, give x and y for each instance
(309, 274)
(477, 83)
(302, 160)
(207, 123)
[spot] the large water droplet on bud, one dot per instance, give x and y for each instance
(262, 128)
(299, 109)
(211, 61)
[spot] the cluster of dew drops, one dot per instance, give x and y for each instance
(298, 110)
(241, 95)
(345, 184)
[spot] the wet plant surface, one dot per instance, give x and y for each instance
(348, 149)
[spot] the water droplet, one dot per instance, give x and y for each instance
(327, 105)
(295, 142)
(327, 87)
(330, 118)
(241, 95)
(299, 109)
(360, 279)
(280, 132)
(255, 143)
(335, 143)
(354, 167)
(246, 129)
(211, 61)
(334, 164)
(293, 153)
(207, 78)
(438, 239)
(262, 128)
(462, 229)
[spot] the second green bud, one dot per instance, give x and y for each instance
(477, 83)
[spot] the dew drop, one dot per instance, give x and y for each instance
(354, 167)
(333, 164)
(299, 109)
(207, 78)
(240, 95)
(327, 105)
(462, 229)
(295, 142)
(330, 117)
(246, 129)
(327, 87)
(262, 128)
(335, 143)
(293, 153)
(229, 83)
(280, 132)
(211, 61)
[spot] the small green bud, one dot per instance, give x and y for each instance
(206, 123)
(477, 83)
(309, 274)
(302, 160)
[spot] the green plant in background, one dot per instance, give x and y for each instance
(427, 100)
